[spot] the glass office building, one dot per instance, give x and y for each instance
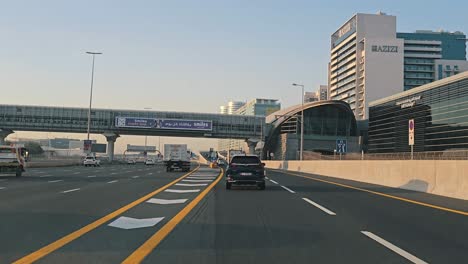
(440, 113)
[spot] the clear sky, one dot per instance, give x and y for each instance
(182, 55)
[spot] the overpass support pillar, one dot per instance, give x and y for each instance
(111, 138)
(3, 134)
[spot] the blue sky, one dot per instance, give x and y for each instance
(183, 55)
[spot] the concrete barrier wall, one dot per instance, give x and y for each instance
(441, 177)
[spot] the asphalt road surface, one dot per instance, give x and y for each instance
(134, 213)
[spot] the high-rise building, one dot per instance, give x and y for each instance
(323, 92)
(423, 51)
(366, 61)
(232, 106)
(223, 110)
(370, 60)
(311, 97)
(257, 107)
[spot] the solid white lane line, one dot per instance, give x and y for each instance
(287, 189)
(319, 206)
(191, 184)
(181, 191)
(134, 177)
(114, 181)
(55, 181)
(197, 180)
(72, 190)
(394, 248)
(166, 201)
(91, 176)
(273, 181)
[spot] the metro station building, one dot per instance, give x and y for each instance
(440, 113)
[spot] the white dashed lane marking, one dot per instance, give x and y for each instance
(114, 181)
(394, 248)
(274, 181)
(287, 189)
(72, 190)
(319, 206)
(134, 177)
(55, 181)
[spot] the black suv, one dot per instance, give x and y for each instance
(245, 170)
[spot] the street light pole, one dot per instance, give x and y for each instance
(146, 136)
(91, 93)
(301, 152)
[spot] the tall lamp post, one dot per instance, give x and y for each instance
(91, 93)
(302, 121)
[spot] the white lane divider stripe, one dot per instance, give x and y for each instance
(77, 172)
(113, 173)
(150, 173)
(319, 206)
(1, 188)
(166, 201)
(191, 184)
(181, 191)
(197, 180)
(91, 176)
(55, 181)
(273, 181)
(394, 248)
(134, 177)
(72, 190)
(43, 176)
(114, 181)
(267, 178)
(287, 189)
(124, 222)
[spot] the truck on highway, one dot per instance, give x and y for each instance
(176, 156)
(13, 159)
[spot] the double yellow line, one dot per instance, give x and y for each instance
(141, 252)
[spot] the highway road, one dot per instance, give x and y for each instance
(132, 214)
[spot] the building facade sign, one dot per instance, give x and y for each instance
(410, 102)
(384, 48)
(175, 124)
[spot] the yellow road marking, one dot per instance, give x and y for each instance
(144, 250)
(382, 194)
(78, 233)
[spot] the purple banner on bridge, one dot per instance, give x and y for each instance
(176, 124)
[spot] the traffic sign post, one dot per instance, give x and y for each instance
(411, 135)
(341, 146)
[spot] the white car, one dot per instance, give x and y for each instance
(91, 161)
(150, 162)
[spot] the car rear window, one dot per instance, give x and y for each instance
(245, 160)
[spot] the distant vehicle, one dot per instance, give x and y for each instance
(150, 162)
(176, 156)
(91, 161)
(233, 152)
(13, 160)
(221, 162)
(245, 170)
(131, 162)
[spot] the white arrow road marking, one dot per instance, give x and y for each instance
(72, 190)
(181, 191)
(55, 181)
(197, 180)
(165, 201)
(191, 184)
(114, 181)
(124, 222)
(394, 248)
(319, 206)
